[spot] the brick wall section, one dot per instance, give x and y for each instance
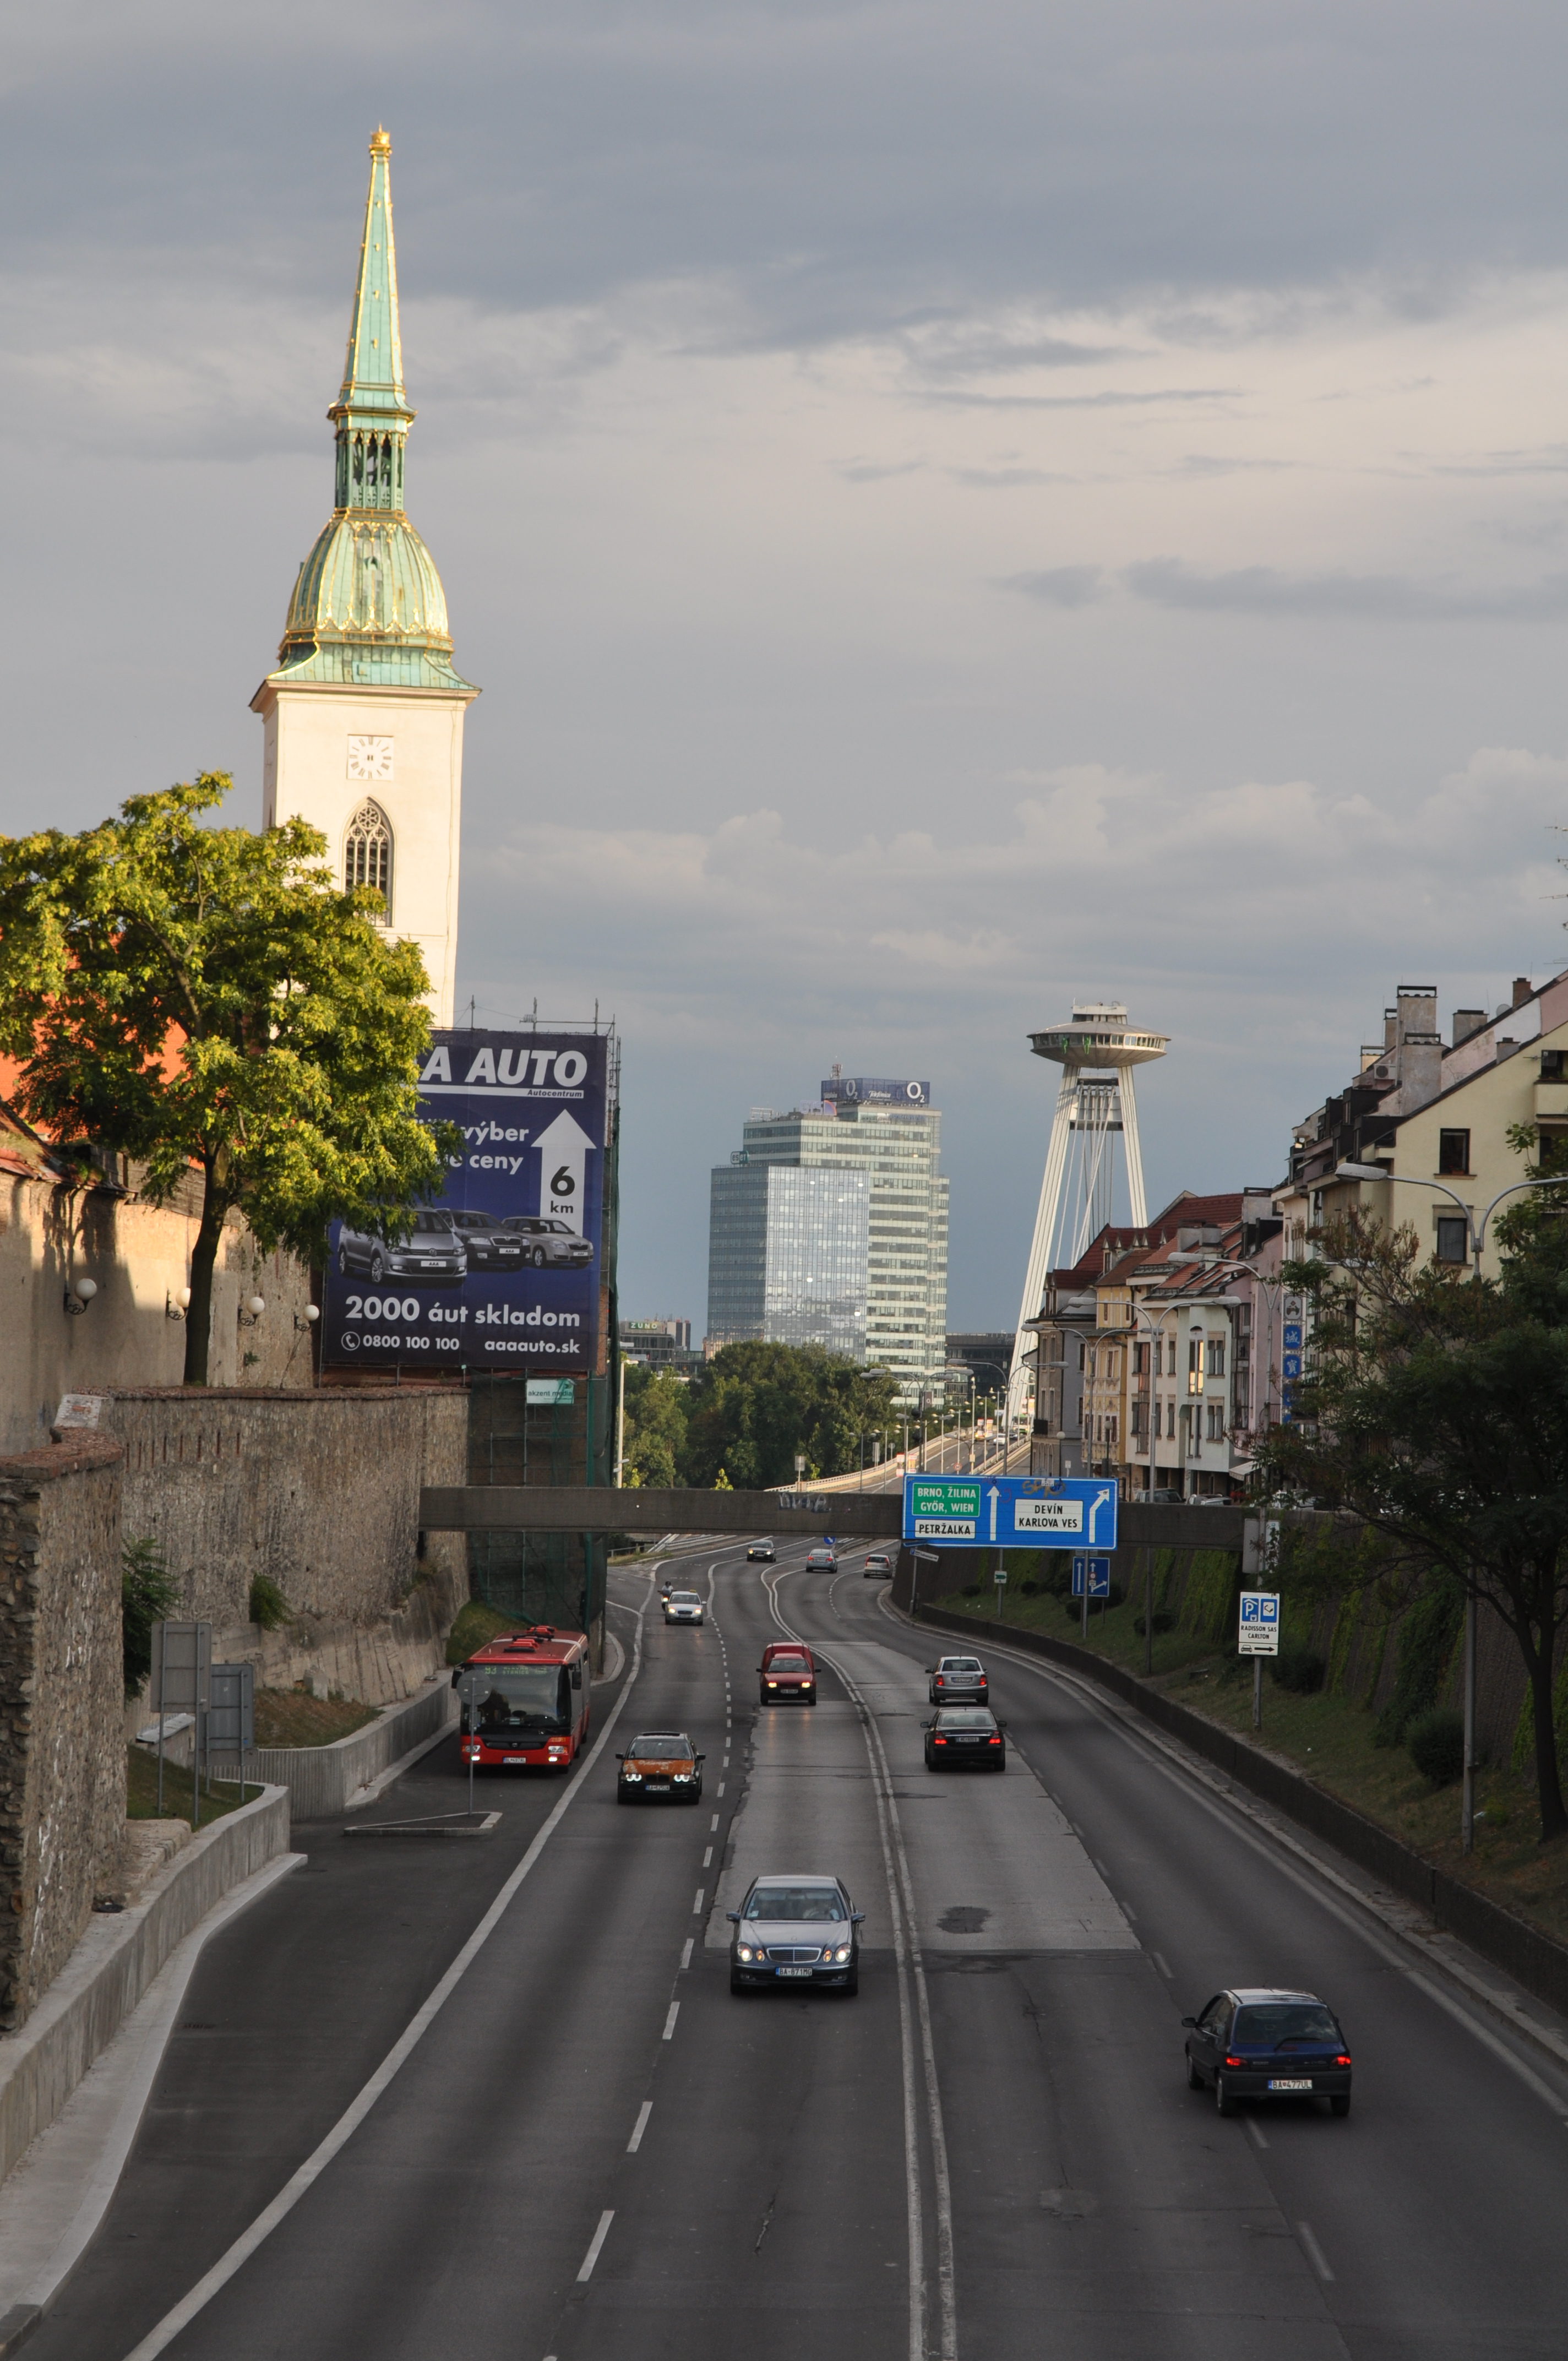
(319, 1491)
(62, 1765)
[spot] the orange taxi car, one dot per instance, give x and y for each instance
(660, 1762)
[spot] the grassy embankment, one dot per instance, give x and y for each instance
(1329, 1735)
(283, 1717)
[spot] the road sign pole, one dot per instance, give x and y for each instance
(1086, 1582)
(1257, 1692)
(1467, 1836)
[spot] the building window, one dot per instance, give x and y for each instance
(367, 854)
(1171, 1419)
(1140, 1360)
(1113, 1430)
(1138, 1420)
(1450, 1238)
(1454, 1152)
(1195, 1366)
(1216, 1422)
(1215, 1356)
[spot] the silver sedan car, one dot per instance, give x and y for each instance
(958, 1680)
(800, 1928)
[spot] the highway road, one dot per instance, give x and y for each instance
(591, 2149)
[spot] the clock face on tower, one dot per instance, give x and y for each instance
(369, 758)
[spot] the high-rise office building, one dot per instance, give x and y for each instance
(828, 1226)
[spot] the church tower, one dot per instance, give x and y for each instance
(364, 715)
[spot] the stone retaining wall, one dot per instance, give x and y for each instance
(323, 1780)
(62, 1765)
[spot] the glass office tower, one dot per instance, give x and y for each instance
(828, 1226)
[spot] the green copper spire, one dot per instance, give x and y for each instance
(369, 605)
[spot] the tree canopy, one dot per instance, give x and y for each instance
(206, 1000)
(748, 1412)
(1437, 1415)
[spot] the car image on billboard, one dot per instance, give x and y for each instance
(501, 1271)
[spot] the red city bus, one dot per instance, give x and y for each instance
(534, 1709)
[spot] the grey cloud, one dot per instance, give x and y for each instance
(1059, 585)
(1263, 590)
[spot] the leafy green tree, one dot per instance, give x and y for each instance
(206, 1001)
(149, 1593)
(754, 1408)
(1436, 1415)
(653, 1442)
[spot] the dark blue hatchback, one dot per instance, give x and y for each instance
(1253, 2043)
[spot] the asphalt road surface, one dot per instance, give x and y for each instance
(590, 2148)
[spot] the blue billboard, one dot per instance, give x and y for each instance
(501, 1271)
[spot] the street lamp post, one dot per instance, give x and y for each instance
(1477, 1232)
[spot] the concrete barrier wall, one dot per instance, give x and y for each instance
(116, 1961)
(321, 1781)
(1524, 1951)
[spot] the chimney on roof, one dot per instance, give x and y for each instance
(1465, 1022)
(1523, 990)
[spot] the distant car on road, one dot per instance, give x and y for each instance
(1254, 2042)
(545, 1240)
(788, 1674)
(760, 1553)
(432, 1250)
(958, 1680)
(965, 1738)
(821, 1561)
(683, 1606)
(877, 1562)
(489, 1245)
(1162, 1497)
(799, 1928)
(660, 1762)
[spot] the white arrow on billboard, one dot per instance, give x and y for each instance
(1100, 1497)
(993, 1496)
(564, 1147)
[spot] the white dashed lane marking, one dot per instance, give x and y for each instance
(591, 2258)
(635, 2142)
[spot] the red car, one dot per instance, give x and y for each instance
(786, 1674)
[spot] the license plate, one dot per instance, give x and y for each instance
(968, 1742)
(1296, 2083)
(514, 1758)
(658, 1787)
(792, 1972)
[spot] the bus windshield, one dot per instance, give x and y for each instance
(519, 1692)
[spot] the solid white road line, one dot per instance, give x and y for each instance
(595, 2243)
(1315, 2253)
(414, 2033)
(635, 2142)
(670, 2020)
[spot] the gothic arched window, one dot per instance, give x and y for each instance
(367, 854)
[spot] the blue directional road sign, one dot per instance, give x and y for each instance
(1011, 1512)
(1097, 1571)
(1260, 1633)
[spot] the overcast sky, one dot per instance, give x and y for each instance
(949, 507)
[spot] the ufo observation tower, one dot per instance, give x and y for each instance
(1097, 1050)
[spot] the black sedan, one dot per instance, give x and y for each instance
(1257, 2043)
(799, 1929)
(490, 1245)
(965, 1738)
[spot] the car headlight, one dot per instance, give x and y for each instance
(842, 1954)
(745, 1950)
(632, 1778)
(685, 1778)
